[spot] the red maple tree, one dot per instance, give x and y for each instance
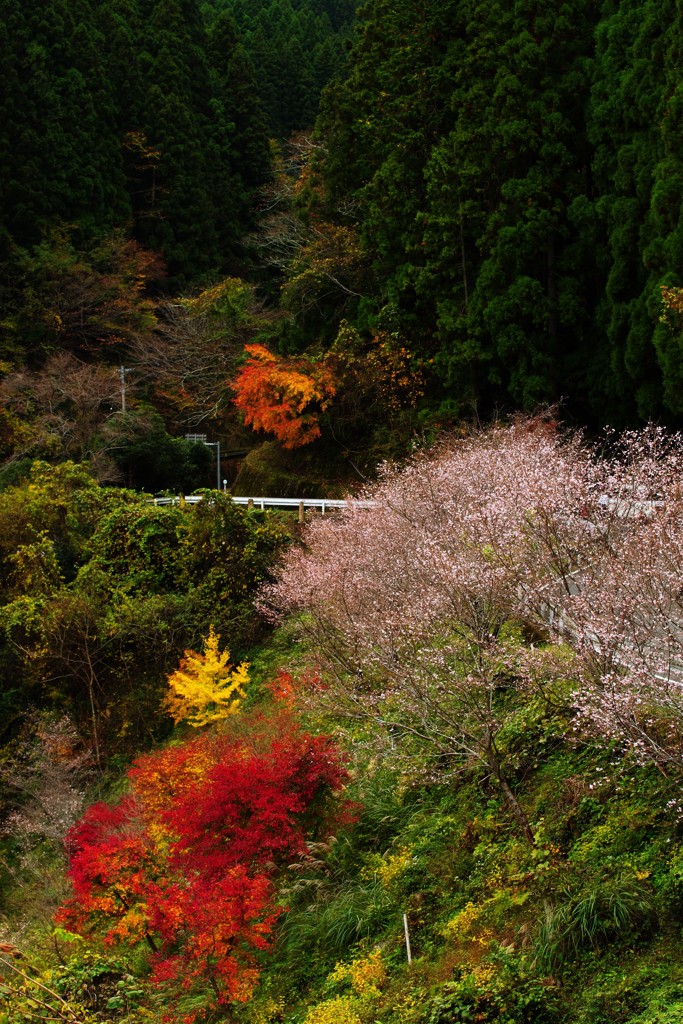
(188, 860)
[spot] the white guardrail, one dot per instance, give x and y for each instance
(294, 503)
(323, 504)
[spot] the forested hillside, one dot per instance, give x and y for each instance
(483, 217)
(296, 48)
(127, 114)
(418, 762)
(513, 173)
(465, 735)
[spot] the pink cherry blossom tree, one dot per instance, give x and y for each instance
(408, 604)
(417, 606)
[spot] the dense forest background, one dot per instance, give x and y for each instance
(482, 219)
(516, 172)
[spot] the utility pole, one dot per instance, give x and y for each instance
(123, 370)
(405, 928)
(217, 446)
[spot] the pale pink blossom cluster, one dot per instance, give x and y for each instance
(626, 617)
(409, 603)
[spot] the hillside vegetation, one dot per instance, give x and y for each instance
(510, 172)
(419, 762)
(470, 716)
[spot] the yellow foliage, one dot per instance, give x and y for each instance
(388, 869)
(157, 788)
(408, 1006)
(367, 975)
(460, 927)
(340, 1010)
(206, 688)
(483, 974)
(461, 924)
(271, 1009)
(133, 926)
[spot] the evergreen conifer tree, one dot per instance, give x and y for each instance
(60, 155)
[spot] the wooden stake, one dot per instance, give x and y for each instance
(405, 926)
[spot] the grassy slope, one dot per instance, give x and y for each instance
(585, 928)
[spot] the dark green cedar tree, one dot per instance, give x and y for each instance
(515, 160)
(634, 123)
(234, 89)
(623, 131)
(296, 45)
(59, 151)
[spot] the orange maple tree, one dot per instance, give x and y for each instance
(284, 396)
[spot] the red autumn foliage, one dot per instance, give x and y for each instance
(188, 860)
(213, 919)
(284, 396)
(283, 689)
(256, 809)
(113, 864)
(164, 777)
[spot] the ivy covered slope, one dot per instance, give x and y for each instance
(474, 731)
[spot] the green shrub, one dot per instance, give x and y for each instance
(604, 910)
(512, 1000)
(333, 917)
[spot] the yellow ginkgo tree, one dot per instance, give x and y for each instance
(205, 688)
